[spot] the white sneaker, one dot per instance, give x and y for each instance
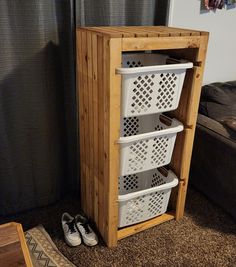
(88, 235)
(71, 234)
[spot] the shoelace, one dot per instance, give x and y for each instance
(86, 227)
(71, 226)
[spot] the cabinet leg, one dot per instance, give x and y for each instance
(181, 199)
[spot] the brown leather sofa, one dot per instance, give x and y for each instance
(213, 167)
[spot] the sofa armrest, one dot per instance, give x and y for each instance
(213, 166)
(213, 126)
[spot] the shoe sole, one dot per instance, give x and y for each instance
(89, 244)
(69, 244)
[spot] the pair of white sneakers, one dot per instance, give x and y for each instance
(77, 228)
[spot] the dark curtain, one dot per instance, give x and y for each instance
(37, 103)
(38, 144)
(121, 12)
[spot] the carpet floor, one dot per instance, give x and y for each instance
(206, 236)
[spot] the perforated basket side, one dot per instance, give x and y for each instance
(147, 143)
(149, 199)
(143, 208)
(131, 126)
(140, 181)
(153, 92)
(134, 60)
(149, 85)
(146, 154)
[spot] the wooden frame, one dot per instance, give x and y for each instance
(99, 53)
(12, 233)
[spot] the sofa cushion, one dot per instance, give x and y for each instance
(218, 101)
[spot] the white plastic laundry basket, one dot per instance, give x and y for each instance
(149, 84)
(144, 195)
(147, 142)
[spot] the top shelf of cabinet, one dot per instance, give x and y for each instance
(143, 31)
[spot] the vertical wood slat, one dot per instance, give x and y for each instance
(184, 170)
(108, 92)
(112, 60)
(181, 198)
(95, 126)
(106, 95)
(80, 113)
(180, 163)
(121, 33)
(86, 119)
(89, 135)
(101, 214)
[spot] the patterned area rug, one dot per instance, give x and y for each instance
(43, 251)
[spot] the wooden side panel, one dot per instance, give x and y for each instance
(106, 93)
(80, 113)
(99, 117)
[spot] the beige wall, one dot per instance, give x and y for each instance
(221, 57)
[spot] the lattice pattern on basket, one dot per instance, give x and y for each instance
(135, 210)
(166, 90)
(134, 64)
(131, 126)
(138, 153)
(142, 93)
(149, 199)
(157, 89)
(159, 151)
(130, 183)
(155, 203)
(159, 127)
(157, 180)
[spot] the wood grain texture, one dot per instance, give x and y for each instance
(143, 31)
(99, 51)
(100, 91)
(133, 229)
(8, 234)
(181, 198)
(157, 43)
(101, 216)
(11, 255)
(95, 126)
(181, 157)
(13, 248)
(89, 133)
(112, 61)
(80, 111)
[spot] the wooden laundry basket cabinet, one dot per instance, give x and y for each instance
(99, 53)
